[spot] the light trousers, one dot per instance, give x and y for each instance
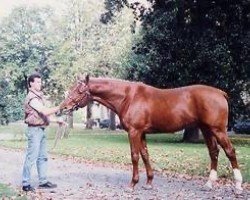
(36, 153)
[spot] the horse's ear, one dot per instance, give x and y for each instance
(79, 78)
(87, 79)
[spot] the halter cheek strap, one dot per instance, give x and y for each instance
(77, 105)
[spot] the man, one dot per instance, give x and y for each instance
(37, 117)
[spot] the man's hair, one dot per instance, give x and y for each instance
(32, 77)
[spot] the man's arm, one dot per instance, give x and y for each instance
(58, 120)
(39, 107)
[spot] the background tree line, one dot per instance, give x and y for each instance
(193, 42)
(60, 47)
(162, 43)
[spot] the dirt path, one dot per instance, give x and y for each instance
(87, 181)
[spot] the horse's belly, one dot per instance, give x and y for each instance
(171, 124)
(167, 128)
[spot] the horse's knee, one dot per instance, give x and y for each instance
(230, 152)
(134, 157)
(144, 155)
(144, 152)
(214, 152)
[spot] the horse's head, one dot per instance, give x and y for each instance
(78, 96)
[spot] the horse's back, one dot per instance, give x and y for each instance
(173, 109)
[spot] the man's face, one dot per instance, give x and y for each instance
(37, 84)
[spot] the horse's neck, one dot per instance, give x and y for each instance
(108, 94)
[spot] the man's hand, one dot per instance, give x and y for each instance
(61, 122)
(61, 106)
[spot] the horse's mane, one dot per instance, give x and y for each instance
(116, 80)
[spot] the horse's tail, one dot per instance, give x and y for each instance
(225, 95)
(229, 106)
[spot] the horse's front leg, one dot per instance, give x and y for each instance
(145, 158)
(135, 144)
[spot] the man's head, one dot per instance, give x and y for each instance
(35, 82)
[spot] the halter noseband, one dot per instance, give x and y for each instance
(77, 104)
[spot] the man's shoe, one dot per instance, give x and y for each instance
(48, 185)
(28, 188)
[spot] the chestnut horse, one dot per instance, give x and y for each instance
(144, 109)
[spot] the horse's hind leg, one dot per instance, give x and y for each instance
(227, 146)
(145, 158)
(213, 149)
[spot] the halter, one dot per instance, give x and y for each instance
(77, 104)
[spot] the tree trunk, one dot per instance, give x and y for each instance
(112, 121)
(89, 123)
(191, 135)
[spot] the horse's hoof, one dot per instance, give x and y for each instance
(238, 191)
(129, 189)
(207, 187)
(238, 188)
(147, 187)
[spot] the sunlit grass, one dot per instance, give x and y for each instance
(7, 192)
(167, 153)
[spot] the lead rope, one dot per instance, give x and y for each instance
(60, 133)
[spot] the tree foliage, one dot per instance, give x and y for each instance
(190, 42)
(24, 48)
(175, 43)
(61, 47)
(90, 46)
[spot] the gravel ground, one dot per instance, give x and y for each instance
(81, 180)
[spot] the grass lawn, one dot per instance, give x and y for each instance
(8, 193)
(167, 154)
